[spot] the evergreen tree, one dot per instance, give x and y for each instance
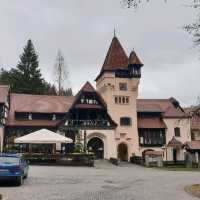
(28, 78)
(65, 92)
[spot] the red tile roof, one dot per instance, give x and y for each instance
(194, 112)
(193, 145)
(4, 90)
(42, 123)
(160, 105)
(134, 59)
(195, 123)
(150, 122)
(116, 56)
(88, 87)
(37, 103)
(156, 153)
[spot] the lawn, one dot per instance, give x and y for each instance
(179, 168)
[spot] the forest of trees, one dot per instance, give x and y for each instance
(27, 78)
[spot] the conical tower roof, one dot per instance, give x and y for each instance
(134, 59)
(116, 57)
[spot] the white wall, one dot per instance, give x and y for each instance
(183, 124)
(108, 138)
(108, 86)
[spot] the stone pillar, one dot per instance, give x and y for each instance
(1, 138)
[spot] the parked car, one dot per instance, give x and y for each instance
(13, 167)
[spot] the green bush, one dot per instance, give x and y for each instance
(78, 148)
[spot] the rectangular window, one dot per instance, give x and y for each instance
(116, 100)
(152, 137)
(123, 86)
(121, 100)
(21, 115)
(177, 132)
(125, 121)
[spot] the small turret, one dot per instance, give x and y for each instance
(134, 65)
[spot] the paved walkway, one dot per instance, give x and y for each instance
(103, 182)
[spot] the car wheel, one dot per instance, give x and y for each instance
(19, 180)
(26, 176)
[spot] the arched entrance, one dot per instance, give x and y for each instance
(122, 152)
(96, 146)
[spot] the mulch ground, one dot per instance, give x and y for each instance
(193, 189)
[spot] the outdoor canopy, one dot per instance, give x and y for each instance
(43, 136)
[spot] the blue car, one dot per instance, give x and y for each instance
(13, 167)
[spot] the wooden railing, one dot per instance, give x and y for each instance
(93, 123)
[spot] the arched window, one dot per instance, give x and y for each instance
(125, 121)
(177, 132)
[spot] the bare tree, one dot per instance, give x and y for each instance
(193, 28)
(136, 3)
(61, 73)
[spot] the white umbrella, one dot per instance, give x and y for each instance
(43, 136)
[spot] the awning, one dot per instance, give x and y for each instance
(150, 122)
(154, 153)
(43, 136)
(174, 143)
(192, 145)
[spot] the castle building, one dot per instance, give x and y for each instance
(116, 123)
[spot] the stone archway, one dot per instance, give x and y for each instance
(143, 154)
(96, 146)
(122, 150)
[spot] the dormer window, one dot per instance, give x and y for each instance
(87, 99)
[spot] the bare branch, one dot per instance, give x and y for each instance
(61, 73)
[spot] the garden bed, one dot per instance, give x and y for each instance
(73, 159)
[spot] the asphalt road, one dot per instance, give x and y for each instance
(104, 182)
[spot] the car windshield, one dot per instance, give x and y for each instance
(9, 160)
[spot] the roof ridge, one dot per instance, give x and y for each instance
(153, 99)
(39, 95)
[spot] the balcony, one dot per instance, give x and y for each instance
(88, 123)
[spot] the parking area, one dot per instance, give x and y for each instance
(103, 182)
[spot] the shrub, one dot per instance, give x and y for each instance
(114, 161)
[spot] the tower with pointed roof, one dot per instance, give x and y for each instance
(118, 83)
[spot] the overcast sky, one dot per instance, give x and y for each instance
(83, 29)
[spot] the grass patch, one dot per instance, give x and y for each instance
(193, 189)
(179, 168)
